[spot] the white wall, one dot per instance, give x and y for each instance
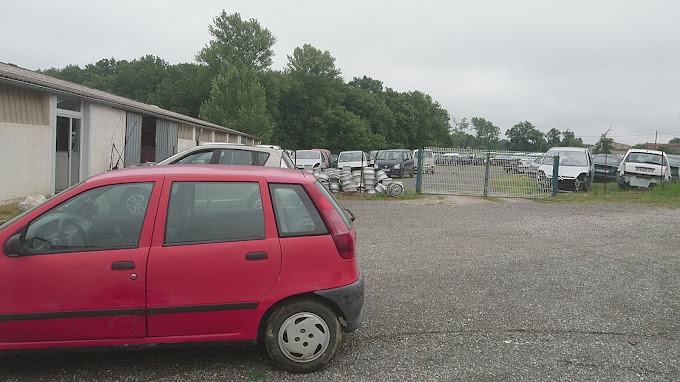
(106, 127)
(25, 165)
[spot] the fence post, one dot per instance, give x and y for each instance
(486, 174)
(556, 171)
(420, 172)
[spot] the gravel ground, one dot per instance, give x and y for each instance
(467, 289)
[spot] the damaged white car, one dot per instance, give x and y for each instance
(575, 171)
(643, 168)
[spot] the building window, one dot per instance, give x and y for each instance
(68, 104)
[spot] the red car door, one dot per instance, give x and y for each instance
(213, 258)
(81, 275)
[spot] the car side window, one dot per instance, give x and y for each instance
(108, 217)
(243, 157)
(200, 212)
(201, 157)
(295, 213)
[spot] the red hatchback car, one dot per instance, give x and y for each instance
(210, 254)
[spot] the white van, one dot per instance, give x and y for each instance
(428, 160)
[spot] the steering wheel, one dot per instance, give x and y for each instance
(62, 226)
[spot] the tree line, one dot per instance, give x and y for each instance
(307, 104)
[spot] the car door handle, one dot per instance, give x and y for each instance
(123, 265)
(256, 256)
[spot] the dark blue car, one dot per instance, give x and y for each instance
(396, 162)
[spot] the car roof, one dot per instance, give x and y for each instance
(567, 149)
(657, 152)
(271, 174)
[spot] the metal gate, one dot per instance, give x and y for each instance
(481, 173)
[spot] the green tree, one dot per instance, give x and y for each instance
(309, 101)
(487, 134)
(674, 140)
(460, 138)
(525, 137)
(365, 98)
(184, 89)
(237, 42)
(604, 145)
(569, 139)
(552, 137)
(237, 101)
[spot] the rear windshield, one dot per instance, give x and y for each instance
(350, 157)
(391, 155)
(336, 205)
(646, 158)
(570, 158)
(307, 154)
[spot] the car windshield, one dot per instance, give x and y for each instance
(611, 161)
(674, 160)
(646, 158)
(307, 154)
(391, 155)
(350, 156)
(426, 154)
(569, 158)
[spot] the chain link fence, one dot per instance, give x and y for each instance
(447, 171)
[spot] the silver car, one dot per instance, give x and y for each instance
(231, 154)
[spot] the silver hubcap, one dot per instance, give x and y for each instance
(304, 337)
(136, 204)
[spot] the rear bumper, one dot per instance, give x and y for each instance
(350, 300)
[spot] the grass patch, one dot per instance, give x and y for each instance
(9, 211)
(665, 195)
(515, 185)
(407, 195)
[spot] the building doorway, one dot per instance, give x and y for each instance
(68, 156)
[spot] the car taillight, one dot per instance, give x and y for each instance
(345, 244)
(342, 236)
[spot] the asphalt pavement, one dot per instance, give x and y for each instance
(466, 289)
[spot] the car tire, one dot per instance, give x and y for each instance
(302, 336)
(586, 185)
(135, 200)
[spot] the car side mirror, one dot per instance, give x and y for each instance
(13, 246)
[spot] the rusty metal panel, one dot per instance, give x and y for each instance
(166, 138)
(133, 139)
(19, 105)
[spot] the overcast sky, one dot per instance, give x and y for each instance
(578, 65)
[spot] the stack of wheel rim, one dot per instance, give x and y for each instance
(334, 181)
(347, 183)
(369, 180)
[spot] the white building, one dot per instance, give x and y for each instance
(55, 133)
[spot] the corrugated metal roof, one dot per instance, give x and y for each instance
(15, 75)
